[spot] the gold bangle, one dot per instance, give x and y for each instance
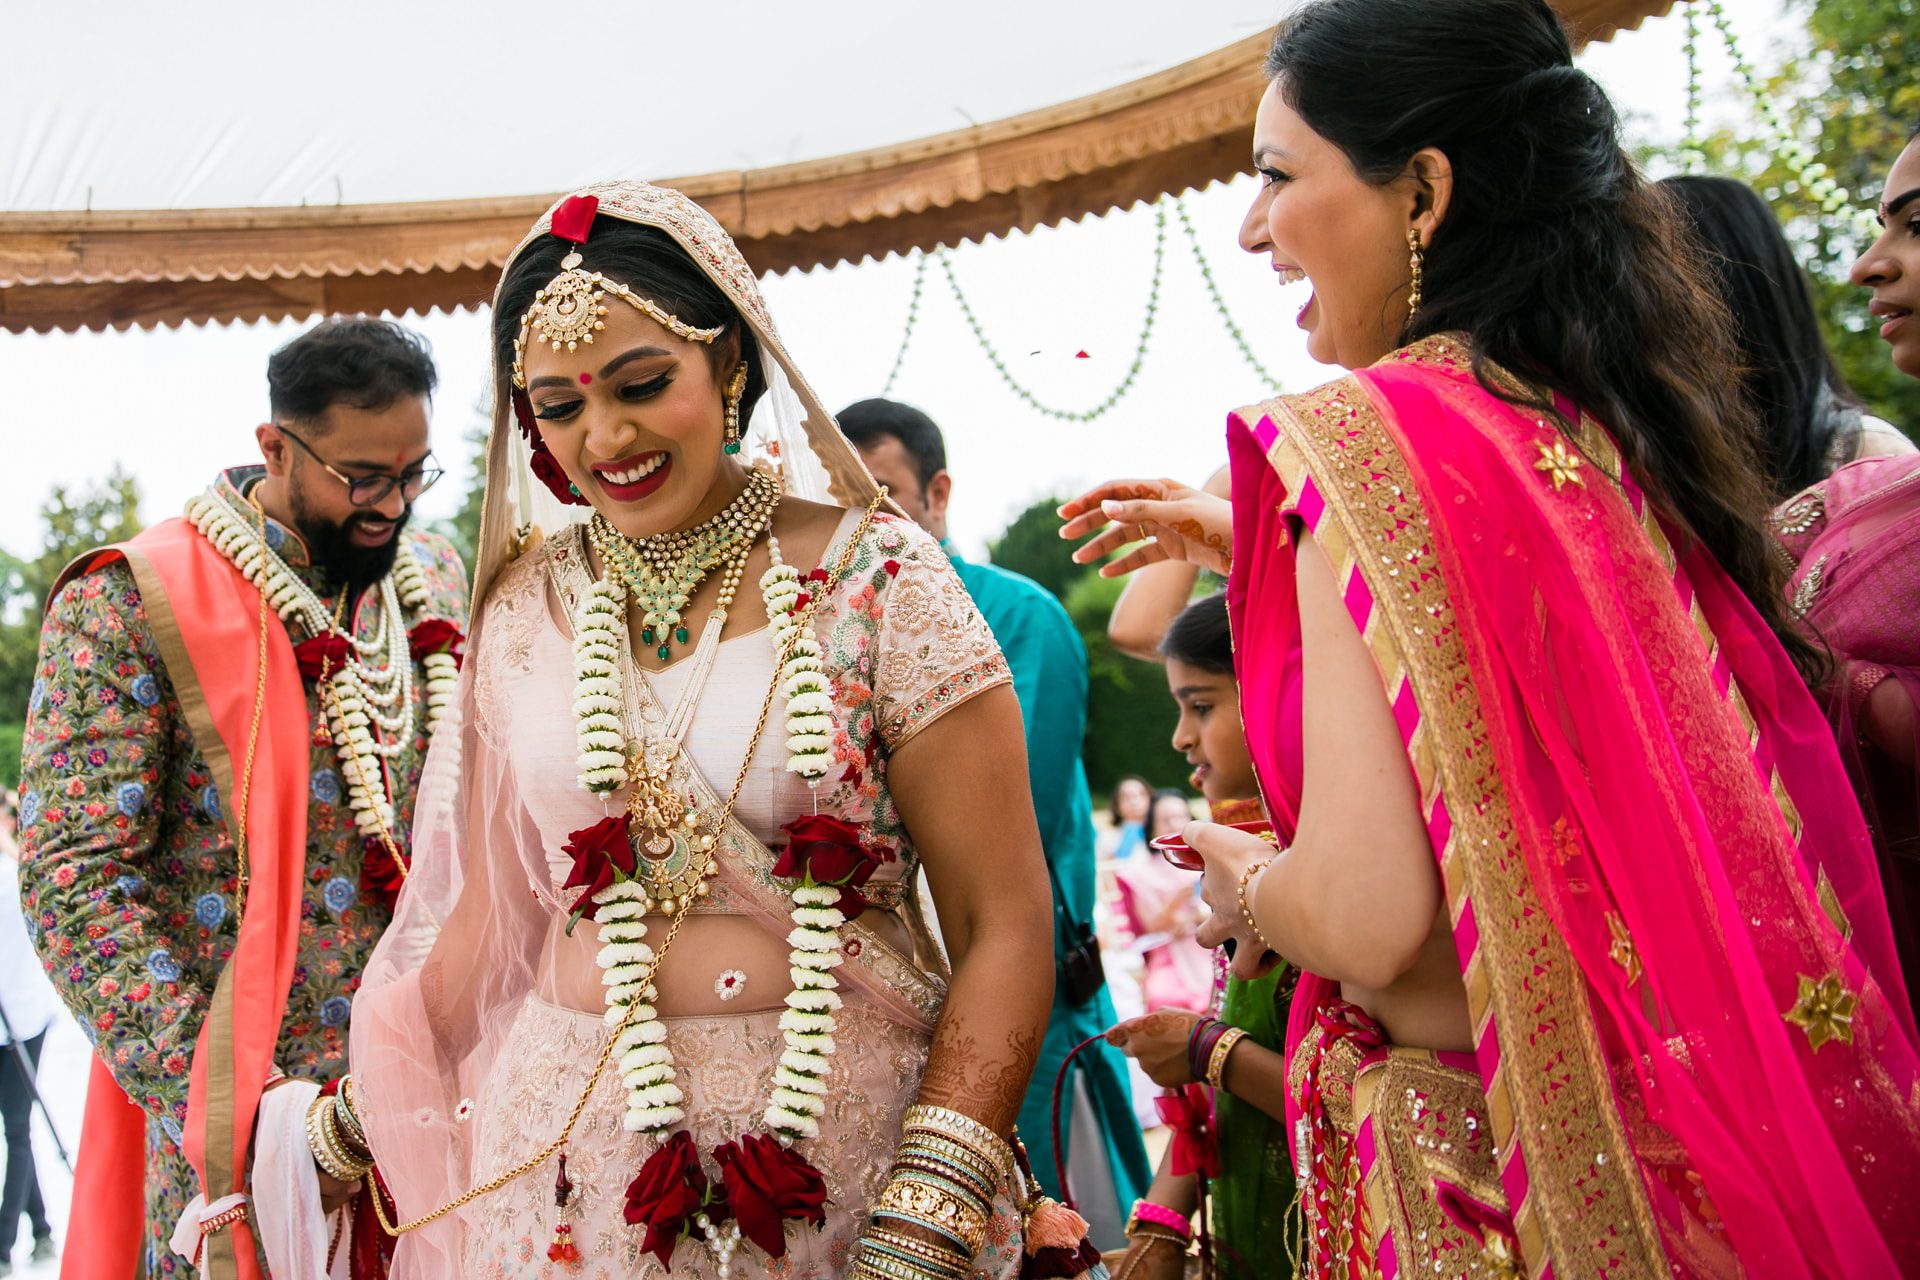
(1217, 1060)
(987, 1178)
(334, 1160)
(934, 1207)
(947, 1123)
(1246, 878)
(925, 1250)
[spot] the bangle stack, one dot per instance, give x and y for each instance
(1155, 1225)
(334, 1134)
(945, 1176)
(1208, 1045)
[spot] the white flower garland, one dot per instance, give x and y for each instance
(362, 698)
(646, 1063)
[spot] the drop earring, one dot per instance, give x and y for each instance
(736, 391)
(1418, 254)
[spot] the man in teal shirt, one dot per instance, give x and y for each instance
(1108, 1166)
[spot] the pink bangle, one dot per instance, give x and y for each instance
(1161, 1216)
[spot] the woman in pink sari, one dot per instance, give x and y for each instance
(1598, 980)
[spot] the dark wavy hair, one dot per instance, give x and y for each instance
(652, 264)
(1802, 401)
(363, 362)
(1556, 258)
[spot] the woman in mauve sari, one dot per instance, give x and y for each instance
(1597, 977)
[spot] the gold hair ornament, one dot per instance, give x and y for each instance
(569, 311)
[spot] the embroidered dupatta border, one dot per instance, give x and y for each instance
(1567, 1167)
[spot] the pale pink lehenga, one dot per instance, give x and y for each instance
(479, 1054)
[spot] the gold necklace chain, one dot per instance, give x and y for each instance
(720, 824)
(242, 801)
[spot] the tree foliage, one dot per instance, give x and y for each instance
(1851, 97)
(1130, 714)
(73, 521)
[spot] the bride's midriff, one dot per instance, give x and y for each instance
(688, 981)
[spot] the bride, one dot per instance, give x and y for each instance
(660, 991)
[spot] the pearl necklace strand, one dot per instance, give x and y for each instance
(369, 710)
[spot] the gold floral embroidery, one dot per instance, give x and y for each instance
(1824, 1010)
(1622, 951)
(1560, 465)
(1800, 514)
(1807, 590)
(1829, 900)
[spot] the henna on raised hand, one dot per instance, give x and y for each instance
(968, 1077)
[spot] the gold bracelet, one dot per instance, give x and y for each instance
(1246, 877)
(878, 1266)
(349, 1113)
(963, 1157)
(1217, 1060)
(924, 1250)
(931, 1206)
(947, 1123)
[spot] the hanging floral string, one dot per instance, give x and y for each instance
(913, 319)
(1220, 302)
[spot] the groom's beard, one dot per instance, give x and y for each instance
(334, 553)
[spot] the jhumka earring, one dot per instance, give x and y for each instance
(1418, 252)
(568, 312)
(736, 391)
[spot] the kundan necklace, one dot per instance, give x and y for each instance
(662, 573)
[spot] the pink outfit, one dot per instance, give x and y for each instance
(1692, 1048)
(1157, 898)
(1856, 539)
(480, 1020)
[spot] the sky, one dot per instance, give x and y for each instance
(173, 406)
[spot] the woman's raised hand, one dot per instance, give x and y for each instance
(1170, 520)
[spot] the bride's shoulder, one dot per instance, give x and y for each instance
(525, 578)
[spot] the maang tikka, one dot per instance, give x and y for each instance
(569, 310)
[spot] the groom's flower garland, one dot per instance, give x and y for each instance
(765, 1181)
(362, 702)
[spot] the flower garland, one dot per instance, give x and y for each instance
(369, 710)
(766, 1183)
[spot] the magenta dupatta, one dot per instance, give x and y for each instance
(1688, 1023)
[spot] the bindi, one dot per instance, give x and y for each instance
(586, 379)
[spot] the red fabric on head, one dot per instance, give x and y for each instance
(573, 220)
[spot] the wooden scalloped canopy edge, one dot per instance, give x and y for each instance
(1178, 130)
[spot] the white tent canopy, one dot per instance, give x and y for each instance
(225, 103)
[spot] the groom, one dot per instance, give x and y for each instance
(905, 451)
(174, 786)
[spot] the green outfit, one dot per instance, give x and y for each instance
(1255, 1187)
(1050, 677)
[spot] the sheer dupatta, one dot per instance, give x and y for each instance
(1687, 1020)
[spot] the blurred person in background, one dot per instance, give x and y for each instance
(30, 1005)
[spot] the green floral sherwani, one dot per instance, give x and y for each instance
(127, 871)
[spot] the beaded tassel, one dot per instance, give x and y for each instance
(563, 1250)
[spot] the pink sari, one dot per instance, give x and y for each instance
(1692, 1053)
(1855, 538)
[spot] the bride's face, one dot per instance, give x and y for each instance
(636, 421)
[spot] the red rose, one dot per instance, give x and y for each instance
(328, 652)
(767, 1183)
(549, 473)
(598, 852)
(829, 851)
(671, 1190)
(436, 635)
(380, 876)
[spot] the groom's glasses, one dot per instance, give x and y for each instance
(367, 491)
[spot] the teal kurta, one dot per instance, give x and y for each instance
(1050, 676)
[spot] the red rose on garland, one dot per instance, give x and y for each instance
(326, 653)
(669, 1193)
(436, 635)
(828, 851)
(602, 854)
(381, 877)
(766, 1184)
